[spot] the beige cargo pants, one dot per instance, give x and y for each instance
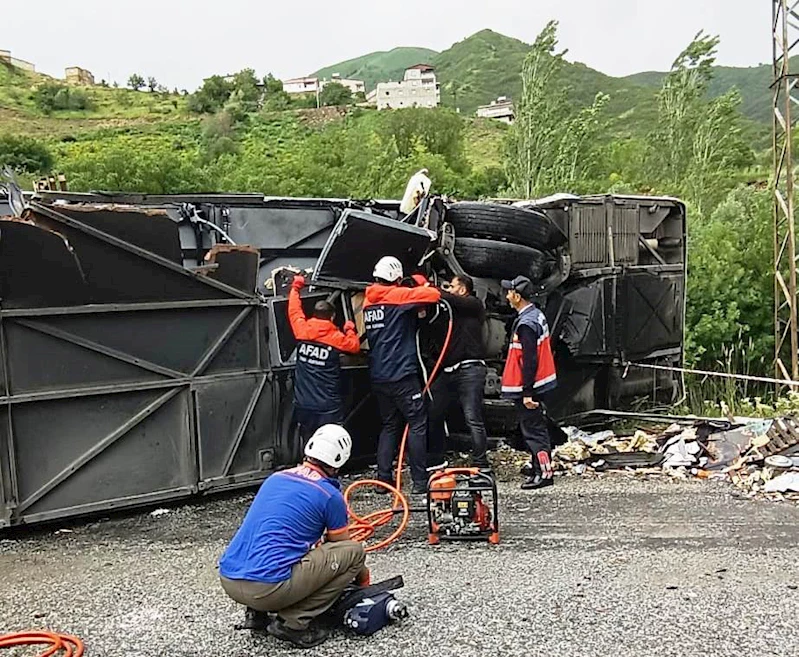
(315, 584)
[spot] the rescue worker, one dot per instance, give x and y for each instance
(269, 566)
(528, 376)
(463, 373)
(390, 315)
(317, 374)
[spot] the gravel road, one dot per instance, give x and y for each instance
(612, 566)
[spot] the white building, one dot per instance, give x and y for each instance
(310, 85)
(419, 88)
(301, 86)
(500, 109)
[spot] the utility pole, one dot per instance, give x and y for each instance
(785, 36)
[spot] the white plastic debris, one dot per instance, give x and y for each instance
(418, 187)
(159, 512)
(784, 483)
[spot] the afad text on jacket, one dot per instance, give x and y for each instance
(389, 313)
(317, 374)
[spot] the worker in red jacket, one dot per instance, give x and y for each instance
(528, 376)
(390, 315)
(317, 373)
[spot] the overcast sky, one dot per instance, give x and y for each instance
(180, 42)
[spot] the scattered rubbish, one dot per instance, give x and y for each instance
(783, 483)
(65, 531)
(159, 512)
(759, 457)
(780, 462)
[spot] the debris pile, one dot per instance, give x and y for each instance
(759, 457)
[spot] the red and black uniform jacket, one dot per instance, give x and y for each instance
(317, 374)
(389, 313)
(529, 368)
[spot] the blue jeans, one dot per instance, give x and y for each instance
(400, 402)
(465, 386)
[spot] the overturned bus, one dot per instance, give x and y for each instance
(146, 354)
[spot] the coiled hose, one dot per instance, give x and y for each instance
(363, 528)
(71, 646)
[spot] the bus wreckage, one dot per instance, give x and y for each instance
(146, 354)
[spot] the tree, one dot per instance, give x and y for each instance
(24, 154)
(52, 96)
(334, 94)
(136, 82)
(697, 142)
(210, 98)
(551, 146)
(152, 84)
(272, 85)
(219, 136)
(246, 85)
(440, 131)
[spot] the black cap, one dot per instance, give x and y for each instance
(520, 284)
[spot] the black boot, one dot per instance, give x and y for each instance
(307, 638)
(255, 620)
(527, 469)
(537, 481)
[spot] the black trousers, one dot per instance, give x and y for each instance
(535, 435)
(310, 420)
(466, 386)
(400, 403)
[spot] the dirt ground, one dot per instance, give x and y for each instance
(615, 565)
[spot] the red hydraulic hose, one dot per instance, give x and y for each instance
(362, 529)
(61, 645)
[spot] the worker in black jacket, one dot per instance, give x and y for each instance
(463, 373)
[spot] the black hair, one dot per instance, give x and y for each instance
(324, 310)
(467, 282)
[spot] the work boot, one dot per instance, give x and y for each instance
(482, 464)
(254, 620)
(419, 488)
(307, 638)
(537, 481)
(383, 491)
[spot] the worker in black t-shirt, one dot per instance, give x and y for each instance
(463, 373)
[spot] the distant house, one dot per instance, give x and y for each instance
(312, 85)
(5, 56)
(500, 109)
(418, 88)
(79, 76)
(301, 86)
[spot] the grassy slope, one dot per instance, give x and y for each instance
(753, 82)
(379, 66)
(108, 107)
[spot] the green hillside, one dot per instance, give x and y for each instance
(753, 82)
(487, 65)
(379, 66)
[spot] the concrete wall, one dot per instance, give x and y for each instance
(5, 56)
(79, 76)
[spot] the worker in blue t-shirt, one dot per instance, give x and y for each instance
(271, 564)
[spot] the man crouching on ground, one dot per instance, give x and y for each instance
(271, 564)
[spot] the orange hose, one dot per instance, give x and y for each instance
(362, 529)
(71, 645)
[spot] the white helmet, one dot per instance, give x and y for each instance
(388, 268)
(331, 444)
